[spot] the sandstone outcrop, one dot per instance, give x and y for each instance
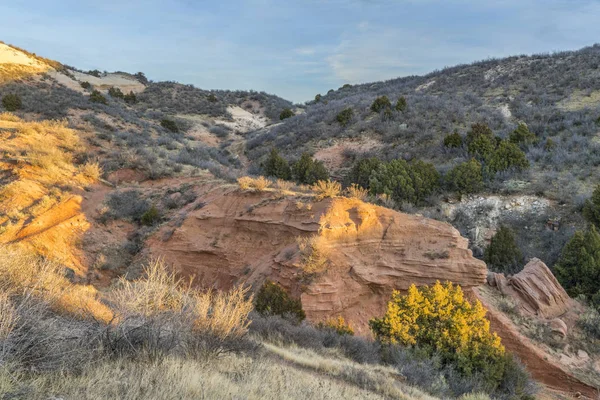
(534, 289)
(340, 256)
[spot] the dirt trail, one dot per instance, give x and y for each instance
(543, 371)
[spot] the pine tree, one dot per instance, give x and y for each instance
(465, 178)
(401, 104)
(380, 104)
(503, 254)
(522, 135)
(277, 166)
(309, 171)
(453, 140)
(578, 268)
(591, 209)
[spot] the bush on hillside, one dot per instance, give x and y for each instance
(401, 104)
(272, 299)
(169, 125)
(477, 130)
(337, 325)
(381, 103)
(115, 92)
(345, 116)
(522, 135)
(327, 188)
(97, 97)
(308, 171)
(150, 217)
(360, 173)
(85, 85)
(277, 166)
(317, 98)
(95, 73)
(130, 98)
(286, 113)
(465, 178)
(453, 140)
(481, 147)
(405, 182)
(507, 156)
(212, 98)
(591, 208)
(503, 254)
(12, 102)
(440, 321)
(578, 268)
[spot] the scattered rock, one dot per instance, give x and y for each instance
(559, 327)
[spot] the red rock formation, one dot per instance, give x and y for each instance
(362, 251)
(537, 291)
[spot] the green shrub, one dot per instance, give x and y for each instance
(272, 299)
(309, 171)
(481, 147)
(97, 97)
(86, 85)
(95, 73)
(401, 104)
(141, 78)
(277, 166)
(150, 217)
(578, 268)
(503, 254)
(380, 104)
(549, 145)
(345, 116)
(478, 130)
(440, 321)
(405, 182)
(11, 102)
(591, 208)
(506, 157)
(130, 98)
(169, 125)
(465, 178)
(361, 171)
(286, 113)
(522, 135)
(317, 98)
(115, 92)
(212, 98)
(453, 140)
(598, 121)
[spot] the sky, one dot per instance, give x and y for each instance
(292, 48)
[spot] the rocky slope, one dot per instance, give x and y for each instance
(340, 256)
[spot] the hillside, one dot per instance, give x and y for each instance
(132, 236)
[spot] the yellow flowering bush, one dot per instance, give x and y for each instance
(438, 319)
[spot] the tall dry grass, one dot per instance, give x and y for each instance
(328, 188)
(258, 184)
(8, 316)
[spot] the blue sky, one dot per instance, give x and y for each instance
(293, 48)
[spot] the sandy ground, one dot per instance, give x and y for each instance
(8, 55)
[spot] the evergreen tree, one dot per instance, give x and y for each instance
(286, 113)
(272, 299)
(11, 102)
(97, 97)
(578, 269)
(361, 172)
(309, 171)
(345, 116)
(503, 254)
(380, 104)
(507, 156)
(522, 135)
(465, 178)
(401, 104)
(277, 166)
(453, 140)
(591, 209)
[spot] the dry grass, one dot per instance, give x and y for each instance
(283, 185)
(222, 314)
(229, 377)
(315, 251)
(382, 380)
(328, 188)
(6, 116)
(357, 192)
(91, 171)
(8, 316)
(24, 273)
(248, 183)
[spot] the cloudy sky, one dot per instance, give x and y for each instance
(293, 48)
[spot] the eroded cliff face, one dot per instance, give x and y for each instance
(340, 256)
